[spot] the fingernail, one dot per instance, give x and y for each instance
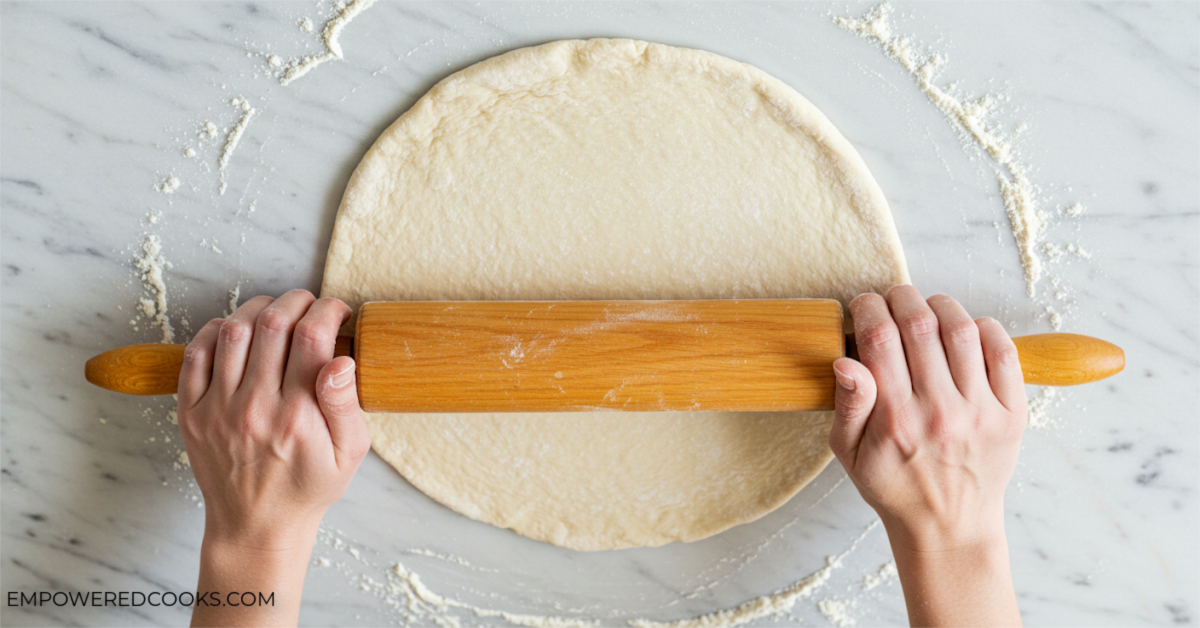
(342, 377)
(844, 380)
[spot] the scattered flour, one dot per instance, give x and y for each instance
(972, 119)
(182, 461)
(189, 152)
(776, 603)
(305, 25)
(234, 295)
(837, 612)
(234, 136)
(1076, 210)
(209, 130)
(403, 590)
(168, 185)
(1040, 405)
(274, 61)
(152, 264)
(212, 246)
(333, 49)
(885, 573)
(451, 558)
(1054, 317)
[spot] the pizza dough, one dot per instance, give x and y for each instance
(610, 169)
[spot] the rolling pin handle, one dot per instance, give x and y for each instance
(1056, 359)
(153, 369)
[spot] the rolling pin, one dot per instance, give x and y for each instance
(561, 356)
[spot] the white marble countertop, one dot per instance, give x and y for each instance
(100, 101)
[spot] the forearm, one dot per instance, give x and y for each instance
(273, 577)
(969, 585)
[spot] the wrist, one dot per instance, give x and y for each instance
(964, 534)
(269, 566)
(967, 582)
(266, 538)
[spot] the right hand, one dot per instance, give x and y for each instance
(929, 423)
(271, 419)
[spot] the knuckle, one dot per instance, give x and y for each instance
(945, 428)
(249, 427)
(851, 405)
(347, 405)
(313, 334)
(962, 332)
(193, 355)
(235, 331)
(876, 336)
(1005, 355)
(274, 320)
(920, 324)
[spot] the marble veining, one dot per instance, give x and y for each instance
(100, 100)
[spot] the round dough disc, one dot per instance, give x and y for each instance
(610, 169)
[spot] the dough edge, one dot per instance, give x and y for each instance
(522, 67)
(516, 70)
(557, 535)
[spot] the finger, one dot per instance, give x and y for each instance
(337, 395)
(853, 400)
(196, 372)
(879, 347)
(923, 350)
(233, 345)
(1003, 365)
(960, 338)
(312, 344)
(272, 337)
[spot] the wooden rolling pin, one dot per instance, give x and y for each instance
(540, 356)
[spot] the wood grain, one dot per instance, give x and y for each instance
(1067, 359)
(150, 369)
(498, 356)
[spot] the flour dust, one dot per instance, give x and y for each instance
(415, 604)
(973, 119)
(329, 36)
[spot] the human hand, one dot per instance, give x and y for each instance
(274, 434)
(270, 420)
(929, 423)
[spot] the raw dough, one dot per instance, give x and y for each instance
(610, 169)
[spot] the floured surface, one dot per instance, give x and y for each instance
(610, 169)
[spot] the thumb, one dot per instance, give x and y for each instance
(337, 395)
(853, 400)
